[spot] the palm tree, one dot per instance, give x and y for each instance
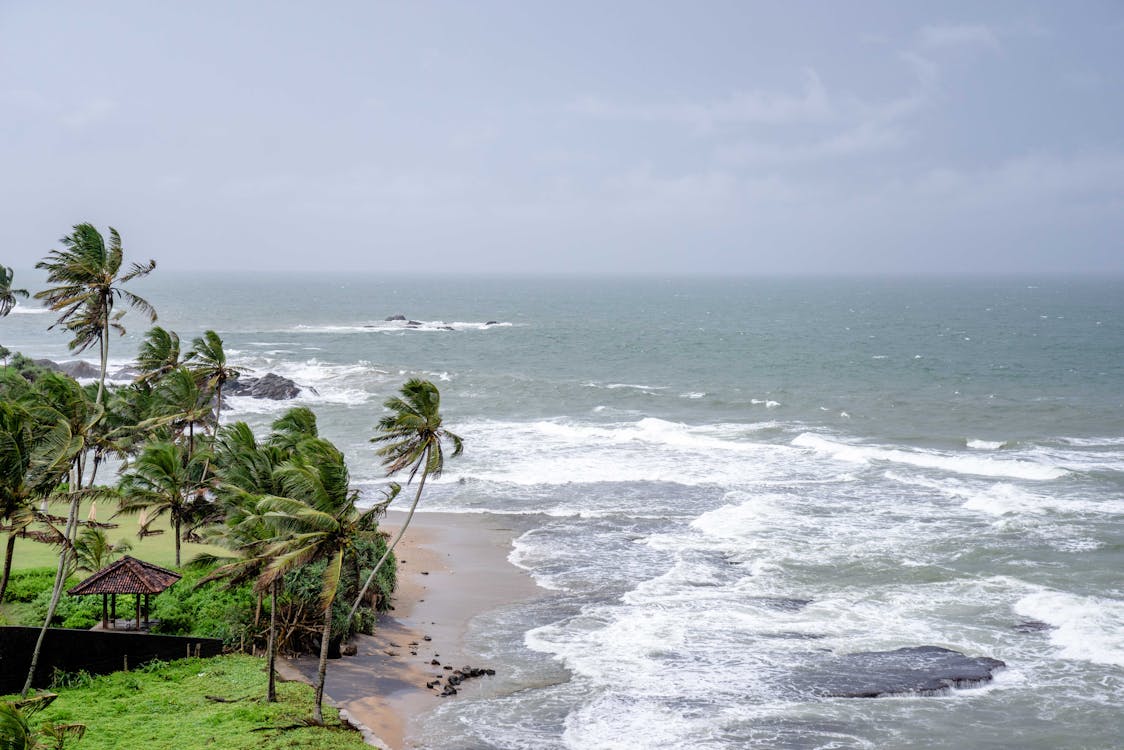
(15, 726)
(88, 275)
(165, 478)
(208, 362)
(93, 551)
(60, 453)
(16, 444)
(315, 520)
(7, 294)
(158, 355)
(181, 404)
(411, 436)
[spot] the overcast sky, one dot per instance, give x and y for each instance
(652, 137)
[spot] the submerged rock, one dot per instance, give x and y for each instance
(395, 317)
(921, 670)
(1032, 626)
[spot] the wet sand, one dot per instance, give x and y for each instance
(452, 567)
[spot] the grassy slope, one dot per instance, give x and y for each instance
(159, 549)
(164, 707)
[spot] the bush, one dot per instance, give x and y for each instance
(27, 585)
(209, 611)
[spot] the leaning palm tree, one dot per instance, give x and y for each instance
(315, 520)
(208, 363)
(158, 355)
(413, 437)
(88, 278)
(165, 478)
(8, 295)
(15, 726)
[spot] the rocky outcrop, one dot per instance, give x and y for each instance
(270, 386)
(921, 670)
(75, 368)
(395, 317)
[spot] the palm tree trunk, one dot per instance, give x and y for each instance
(9, 550)
(322, 670)
(218, 405)
(392, 545)
(177, 522)
(271, 656)
(104, 348)
(60, 578)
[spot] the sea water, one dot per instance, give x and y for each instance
(729, 479)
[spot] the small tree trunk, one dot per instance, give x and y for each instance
(60, 579)
(9, 550)
(390, 547)
(271, 656)
(176, 521)
(322, 670)
(104, 348)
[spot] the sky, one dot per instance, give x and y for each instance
(569, 137)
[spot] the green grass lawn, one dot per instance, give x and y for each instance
(164, 707)
(159, 549)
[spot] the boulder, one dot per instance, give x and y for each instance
(78, 368)
(274, 387)
(921, 670)
(491, 323)
(270, 386)
(396, 317)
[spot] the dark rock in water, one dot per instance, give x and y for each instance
(492, 323)
(78, 368)
(47, 364)
(349, 649)
(269, 386)
(446, 328)
(789, 634)
(412, 323)
(1032, 626)
(396, 317)
(126, 373)
(922, 670)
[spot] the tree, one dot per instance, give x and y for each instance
(208, 363)
(88, 277)
(181, 404)
(93, 551)
(8, 295)
(411, 436)
(158, 355)
(17, 440)
(15, 726)
(165, 478)
(315, 519)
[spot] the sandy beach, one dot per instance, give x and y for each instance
(452, 567)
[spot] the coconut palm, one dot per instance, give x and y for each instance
(93, 550)
(208, 363)
(411, 436)
(315, 520)
(165, 478)
(17, 441)
(88, 277)
(8, 295)
(158, 355)
(59, 455)
(181, 405)
(15, 726)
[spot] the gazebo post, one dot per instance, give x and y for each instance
(138, 611)
(113, 608)
(104, 611)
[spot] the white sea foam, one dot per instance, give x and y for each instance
(553, 452)
(929, 459)
(27, 310)
(399, 326)
(985, 445)
(1090, 628)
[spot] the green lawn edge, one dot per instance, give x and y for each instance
(163, 706)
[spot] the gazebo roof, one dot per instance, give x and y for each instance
(127, 576)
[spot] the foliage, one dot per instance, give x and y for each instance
(207, 611)
(15, 726)
(27, 585)
(93, 550)
(163, 706)
(8, 295)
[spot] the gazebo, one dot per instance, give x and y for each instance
(126, 576)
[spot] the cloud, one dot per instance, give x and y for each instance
(89, 113)
(740, 108)
(958, 35)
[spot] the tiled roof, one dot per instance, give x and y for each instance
(127, 576)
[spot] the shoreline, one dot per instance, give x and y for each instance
(451, 568)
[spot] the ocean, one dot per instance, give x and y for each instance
(732, 482)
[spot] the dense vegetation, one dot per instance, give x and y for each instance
(292, 560)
